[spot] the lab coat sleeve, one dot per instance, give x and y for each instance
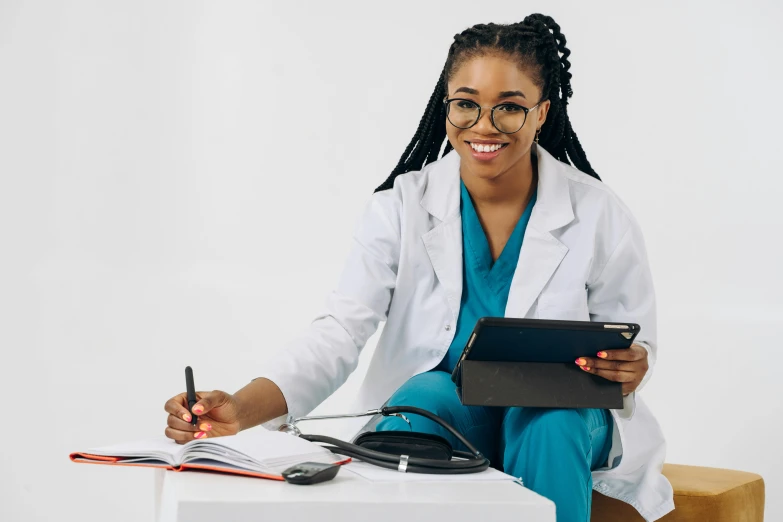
(623, 291)
(317, 362)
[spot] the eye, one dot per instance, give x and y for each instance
(509, 107)
(465, 104)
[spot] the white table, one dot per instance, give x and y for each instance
(202, 497)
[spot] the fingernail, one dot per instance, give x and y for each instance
(585, 368)
(602, 355)
(581, 361)
(187, 417)
(205, 426)
(200, 435)
(198, 408)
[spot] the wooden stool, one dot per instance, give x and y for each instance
(700, 495)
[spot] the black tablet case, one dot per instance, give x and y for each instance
(530, 362)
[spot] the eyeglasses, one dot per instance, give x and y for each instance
(508, 118)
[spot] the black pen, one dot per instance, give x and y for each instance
(191, 389)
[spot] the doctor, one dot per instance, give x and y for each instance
(501, 224)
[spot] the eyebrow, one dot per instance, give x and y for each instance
(503, 94)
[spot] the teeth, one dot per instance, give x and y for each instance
(486, 148)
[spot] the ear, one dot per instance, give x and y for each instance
(542, 111)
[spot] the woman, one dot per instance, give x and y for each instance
(496, 226)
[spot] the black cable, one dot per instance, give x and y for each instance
(474, 461)
(471, 464)
(389, 410)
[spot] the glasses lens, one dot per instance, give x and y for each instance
(462, 113)
(509, 117)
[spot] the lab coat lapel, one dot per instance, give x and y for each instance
(541, 252)
(444, 241)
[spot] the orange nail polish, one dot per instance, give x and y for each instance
(205, 427)
(602, 355)
(581, 361)
(200, 435)
(586, 368)
(187, 417)
(198, 409)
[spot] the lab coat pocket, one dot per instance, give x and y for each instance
(568, 305)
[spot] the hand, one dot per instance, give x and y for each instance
(627, 366)
(217, 411)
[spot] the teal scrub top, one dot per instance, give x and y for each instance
(485, 285)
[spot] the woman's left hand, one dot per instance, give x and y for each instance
(627, 366)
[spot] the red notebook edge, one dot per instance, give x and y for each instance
(87, 458)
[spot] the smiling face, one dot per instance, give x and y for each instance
(490, 80)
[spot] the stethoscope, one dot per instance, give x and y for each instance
(469, 462)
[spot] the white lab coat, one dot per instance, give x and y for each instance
(583, 258)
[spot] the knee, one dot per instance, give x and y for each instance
(432, 391)
(558, 423)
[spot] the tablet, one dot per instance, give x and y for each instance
(530, 362)
(510, 339)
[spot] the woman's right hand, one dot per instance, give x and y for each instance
(217, 411)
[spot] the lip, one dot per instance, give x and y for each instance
(487, 142)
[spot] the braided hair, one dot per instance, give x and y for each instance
(539, 46)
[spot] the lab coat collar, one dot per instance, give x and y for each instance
(553, 207)
(541, 252)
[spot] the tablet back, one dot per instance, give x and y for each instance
(530, 363)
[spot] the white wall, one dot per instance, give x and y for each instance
(161, 204)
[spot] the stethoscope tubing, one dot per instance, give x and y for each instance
(473, 462)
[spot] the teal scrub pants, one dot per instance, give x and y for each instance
(551, 450)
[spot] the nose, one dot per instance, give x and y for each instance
(484, 123)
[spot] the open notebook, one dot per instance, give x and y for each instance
(257, 453)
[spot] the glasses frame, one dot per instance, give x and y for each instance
(447, 101)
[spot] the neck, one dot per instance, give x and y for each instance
(512, 188)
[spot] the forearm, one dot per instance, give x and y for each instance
(260, 401)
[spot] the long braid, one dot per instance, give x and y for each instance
(536, 41)
(421, 145)
(564, 144)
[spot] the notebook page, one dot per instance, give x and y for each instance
(159, 448)
(216, 452)
(279, 465)
(275, 467)
(259, 445)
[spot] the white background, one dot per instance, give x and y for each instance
(179, 182)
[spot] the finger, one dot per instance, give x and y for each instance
(612, 375)
(178, 406)
(628, 387)
(208, 401)
(179, 424)
(620, 366)
(633, 353)
(184, 436)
